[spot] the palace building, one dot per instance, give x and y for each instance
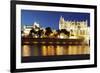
(26, 28)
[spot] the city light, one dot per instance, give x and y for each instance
(68, 36)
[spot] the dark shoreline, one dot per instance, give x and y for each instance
(55, 58)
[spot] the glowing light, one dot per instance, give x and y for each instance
(44, 51)
(36, 24)
(26, 31)
(26, 51)
(61, 37)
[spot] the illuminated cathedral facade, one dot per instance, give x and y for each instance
(76, 28)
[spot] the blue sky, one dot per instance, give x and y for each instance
(51, 18)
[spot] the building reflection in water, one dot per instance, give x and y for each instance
(26, 50)
(50, 50)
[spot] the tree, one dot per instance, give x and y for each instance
(65, 32)
(48, 31)
(58, 32)
(32, 31)
(40, 32)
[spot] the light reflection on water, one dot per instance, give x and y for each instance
(37, 50)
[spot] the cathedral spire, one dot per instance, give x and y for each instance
(61, 20)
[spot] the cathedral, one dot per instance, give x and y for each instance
(76, 28)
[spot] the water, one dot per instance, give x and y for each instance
(54, 50)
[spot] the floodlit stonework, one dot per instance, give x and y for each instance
(76, 28)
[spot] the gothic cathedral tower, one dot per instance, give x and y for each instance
(61, 23)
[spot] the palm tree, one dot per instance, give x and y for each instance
(32, 31)
(58, 32)
(48, 31)
(65, 32)
(40, 33)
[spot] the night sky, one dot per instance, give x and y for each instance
(51, 18)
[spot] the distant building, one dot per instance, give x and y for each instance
(26, 28)
(36, 24)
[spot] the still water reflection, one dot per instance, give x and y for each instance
(50, 50)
